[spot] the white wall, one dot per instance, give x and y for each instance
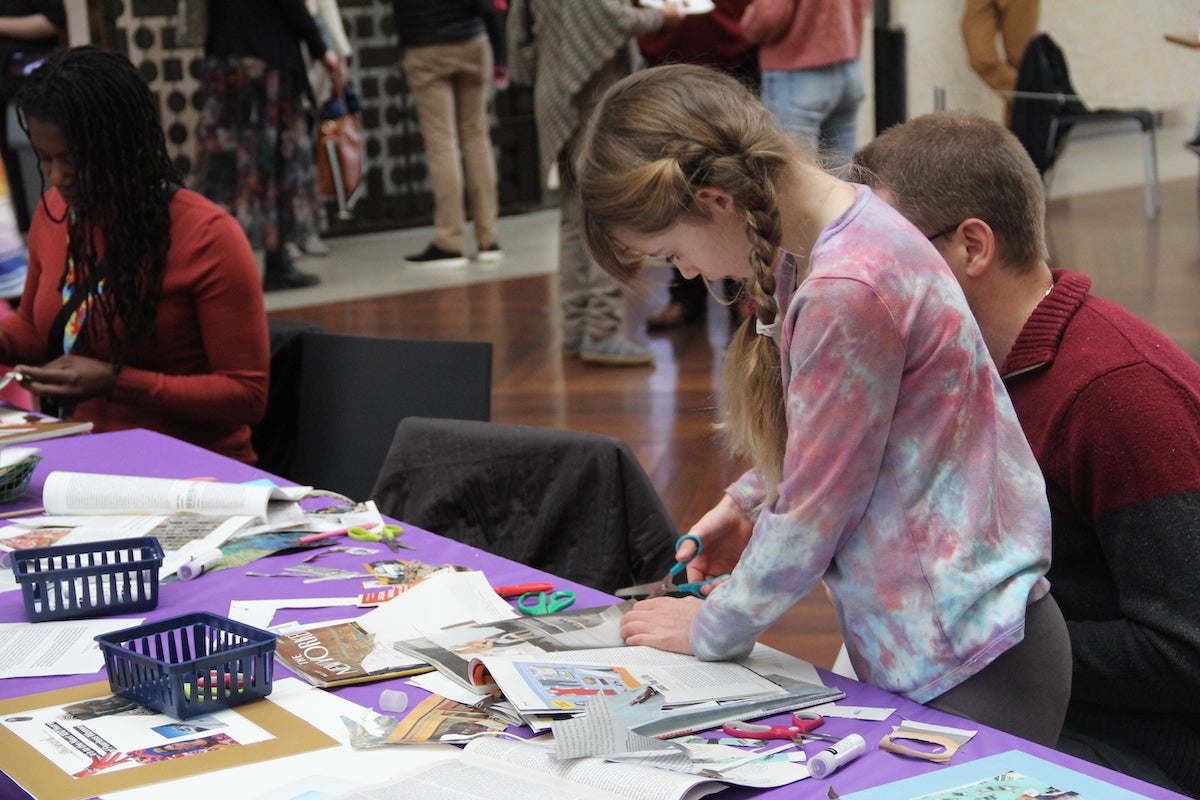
(1117, 55)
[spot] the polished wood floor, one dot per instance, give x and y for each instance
(665, 412)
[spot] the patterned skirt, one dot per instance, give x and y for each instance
(254, 150)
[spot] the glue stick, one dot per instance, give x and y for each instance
(837, 755)
(198, 563)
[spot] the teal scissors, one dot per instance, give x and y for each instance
(388, 536)
(668, 586)
(536, 604)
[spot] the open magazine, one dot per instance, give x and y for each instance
(699, 695)
(85, 493)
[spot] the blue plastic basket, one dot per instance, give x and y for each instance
(89, 580)
(192, 664)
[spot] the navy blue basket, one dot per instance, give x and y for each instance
(191, 664)
(89, 580)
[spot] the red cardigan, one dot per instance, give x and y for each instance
(204, 378)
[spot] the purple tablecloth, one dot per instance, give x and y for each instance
(144, 453)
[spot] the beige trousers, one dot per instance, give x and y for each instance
(450, 84)
(1015, 21)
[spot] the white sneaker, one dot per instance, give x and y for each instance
(294, 251)
(314, 246)
(490, 254)
(616, 350)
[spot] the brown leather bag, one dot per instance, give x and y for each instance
(339, 151)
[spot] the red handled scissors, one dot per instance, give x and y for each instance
(803, 724)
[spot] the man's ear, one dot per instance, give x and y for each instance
(980, 244)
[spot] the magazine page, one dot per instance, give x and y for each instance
(92, 493)
(563, 681)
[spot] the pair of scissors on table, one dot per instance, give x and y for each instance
(802, 727)
(535, 604)
(388, 535)
(668, 586)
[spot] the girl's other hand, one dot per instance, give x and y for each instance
(661, 622)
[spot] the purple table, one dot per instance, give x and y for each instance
(141, 452)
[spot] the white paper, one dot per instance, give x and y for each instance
(260, 613)
(445, 598)
(60, 647)
(853, 712)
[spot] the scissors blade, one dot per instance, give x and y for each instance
(647, 590)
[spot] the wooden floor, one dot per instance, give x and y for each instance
(665, 412)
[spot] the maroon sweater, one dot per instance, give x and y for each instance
(1111, 408)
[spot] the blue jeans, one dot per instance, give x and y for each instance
(818, 106)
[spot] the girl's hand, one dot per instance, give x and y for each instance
(725, 530)
(70, 377)
(661, 622)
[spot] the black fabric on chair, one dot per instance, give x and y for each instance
(575, 504)
(1046, 108)
(274, 437)
(355, 389)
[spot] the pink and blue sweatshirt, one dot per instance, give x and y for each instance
(908, 484)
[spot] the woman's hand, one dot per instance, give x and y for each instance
(724, 530)
(661, 622)
(70, 377)
(336, 69)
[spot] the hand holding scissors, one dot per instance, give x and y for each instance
(668, 585)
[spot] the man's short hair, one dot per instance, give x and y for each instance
(945, 167)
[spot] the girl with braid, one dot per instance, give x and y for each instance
(887, 459)
(142, 307)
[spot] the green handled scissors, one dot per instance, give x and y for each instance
(388, 535)
(545, 602)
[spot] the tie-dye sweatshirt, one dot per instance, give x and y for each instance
(908, 484)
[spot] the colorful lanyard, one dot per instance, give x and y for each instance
(75, 321)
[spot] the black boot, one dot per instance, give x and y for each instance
(281, 273)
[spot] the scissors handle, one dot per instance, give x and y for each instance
(748, 730)
(807, 721)
(694, 587)
(680, 565)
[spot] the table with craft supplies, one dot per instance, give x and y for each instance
(140, 452)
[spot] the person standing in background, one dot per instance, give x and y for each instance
(449, 59)
(812, 81)
(29, 29)
(571, 52)
(329, 22)
(1015, 22)
(254, 141)
(715, 40)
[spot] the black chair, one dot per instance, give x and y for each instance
(1046, 109)
(575, 504)
(339, 409)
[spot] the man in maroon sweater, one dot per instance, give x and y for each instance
(1111, 408)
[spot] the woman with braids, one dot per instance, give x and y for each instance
(142, 307)
(887, 459)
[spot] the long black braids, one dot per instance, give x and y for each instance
(124, 180)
